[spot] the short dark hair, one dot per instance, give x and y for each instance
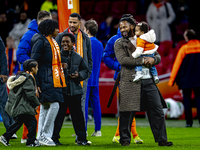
(143, 26)
(29, 64)
(72, 37)
(190, 33)
(92, 26)
(128, 19)
(76, 15)
(43, 14)
(48, 27)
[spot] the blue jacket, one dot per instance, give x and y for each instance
(109, 55)
(97, 53)
(3, 59)
(24, 47)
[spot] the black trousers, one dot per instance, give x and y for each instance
(187, 101)
(74, 104)
(31, 124)
(150, 97)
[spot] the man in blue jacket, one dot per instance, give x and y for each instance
(7, 120)
(112, 63)
(24, 47)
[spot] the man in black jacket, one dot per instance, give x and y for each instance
(75, 70)
(7, 120)
(83, 48)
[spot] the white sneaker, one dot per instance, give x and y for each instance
(23, 141)
(138, 76)
(46, 141)
(156, 79)
(14, 136)
(96, 133)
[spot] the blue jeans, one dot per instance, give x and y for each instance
(152, 69)
(7, 120)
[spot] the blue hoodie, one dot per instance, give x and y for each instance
(109, 54)
(24, 47)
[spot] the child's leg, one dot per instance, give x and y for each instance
(14, 127)
(31, 124)
(78, 122)
(154, 71)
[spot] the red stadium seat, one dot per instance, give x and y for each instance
(86, 7)
(140, 18)
(98, 18)
(118, 7)
(131, 7)
(102, 7)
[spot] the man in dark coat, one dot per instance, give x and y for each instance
(74, 24)
(7, 120)
(139, 96)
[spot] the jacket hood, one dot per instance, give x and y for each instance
(119, 33)
(11, 83)
(33, 25)
(150, 36)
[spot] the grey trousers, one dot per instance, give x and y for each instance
(84, 96)
(48, 113)
(7, 120)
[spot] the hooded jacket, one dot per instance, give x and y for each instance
(24, 47)
(22, 96)
(109, 57)
(145, 44)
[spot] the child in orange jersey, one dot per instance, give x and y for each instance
(145, 48)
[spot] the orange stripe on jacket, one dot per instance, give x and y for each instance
(144, 44)
(193, 46)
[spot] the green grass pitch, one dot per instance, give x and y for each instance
(183, 138)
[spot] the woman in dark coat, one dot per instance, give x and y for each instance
(50, 77)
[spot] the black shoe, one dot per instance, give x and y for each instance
(165, 143)
(126, 143)
(188, 125)
(83, 143)
(57, 142)
(35, 144)
(4, 141)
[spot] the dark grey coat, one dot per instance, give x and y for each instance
(77, 64)
(130, 92)
(22, 96)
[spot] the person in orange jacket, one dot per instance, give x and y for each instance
(186, 72)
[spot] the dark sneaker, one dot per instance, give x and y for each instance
(83, 143)
(35, 144)
(126, 143)
(4, 141)
(57, 142)
(165, 143)
(188, 125)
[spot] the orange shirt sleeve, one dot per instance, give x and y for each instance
(177, 63)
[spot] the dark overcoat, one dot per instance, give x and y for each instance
(130, 92)
(42, 53)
